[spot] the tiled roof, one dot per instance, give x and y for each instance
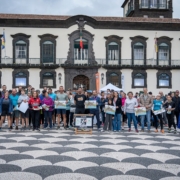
(97, 18)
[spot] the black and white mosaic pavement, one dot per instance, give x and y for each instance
(62, 155)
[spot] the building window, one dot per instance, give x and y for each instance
(144, 3)
(139, 80)
(21, 79)
(21, 50)
(163, 53)
(48, 79)
(81, 53)
(164, 80)
(48, 52)
(153, 4)
(162, 4)
(113, 51)
(114, 79)
(138, 51)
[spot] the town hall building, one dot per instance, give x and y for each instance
(140, 49)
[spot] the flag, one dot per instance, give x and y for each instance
(3, 40)
(81, 43)
(155, 45)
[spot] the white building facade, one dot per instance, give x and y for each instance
(44, 50)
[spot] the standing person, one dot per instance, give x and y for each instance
(157, 105)
(4, 89)
(6, 109)
(170, 107)
(103, 100)
(176, 100)
(146, 101)
(108, 118)
(79, 101)
(124, 117)
(129, 105)
(34, 105)
(95, 112)
(14, 97)
(68, 106)
(48, 109)
(72, 109)
(61, 96)
(41, 117)
(117, 117)
(25, 116)
(30, 119)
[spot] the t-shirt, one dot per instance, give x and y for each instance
(61, 97)
(157, 105)
(5, 105)
(52, 96)
(80, 99)
(14, 99)
(169, 105)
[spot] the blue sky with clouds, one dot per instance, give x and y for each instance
(70, 7)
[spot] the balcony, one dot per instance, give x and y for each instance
(129, 11)
(153, 6)
(36, 62)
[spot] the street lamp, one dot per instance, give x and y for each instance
(102, 77)
(59, 77)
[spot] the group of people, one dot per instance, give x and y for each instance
(41, 111)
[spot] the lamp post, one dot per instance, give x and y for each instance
(102, 77)
(59, 77)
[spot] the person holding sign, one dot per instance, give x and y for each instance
(129, 105)
(157, 105)
(170, 108)
(61, 96)
(95, 112)
(25, 116)
(34, 105)
(47, 105)
(79, 101)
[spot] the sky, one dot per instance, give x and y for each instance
(70, 7)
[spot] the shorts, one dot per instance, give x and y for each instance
(79, 111)
(25, 115)
(61, 111)
(16, 113)
(6, 113)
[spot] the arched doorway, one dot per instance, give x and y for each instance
(81, 81)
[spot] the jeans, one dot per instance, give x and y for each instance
(130, 117)
(71, 118)
(159, 116)
(67, 117)
(96, 113)
(48, 116)
(103, 116)
(117, 122)
(148, 117)
(108, 122)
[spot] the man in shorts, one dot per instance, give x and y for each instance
(61, 96)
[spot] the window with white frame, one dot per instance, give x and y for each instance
(138, 51)
(163, 52)
(47, 79)
(164, 80)
(139, 80)
(162, 4)
(113, 51)
(114, 79)
(48, 52)
(153, 4)
(144, 3)
(21, 50)
(20, 79)
(81, 53)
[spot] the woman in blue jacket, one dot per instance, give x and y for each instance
(6, 109)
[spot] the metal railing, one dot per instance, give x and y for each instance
(100, 62)
(153, 6)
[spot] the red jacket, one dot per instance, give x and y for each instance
(34, 102)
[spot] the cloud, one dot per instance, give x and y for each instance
(70, 7)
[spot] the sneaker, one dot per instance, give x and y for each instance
(58, 127)
(156, 130)
(175, 131)
(129, 130)
(137, 131)
(11, 127)
(16, 128)
(102, 130)
(65, 127)
(162, 131)
(142, 130)
(169, 130)
(122, 128)
(149, 131)
(114, 130)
